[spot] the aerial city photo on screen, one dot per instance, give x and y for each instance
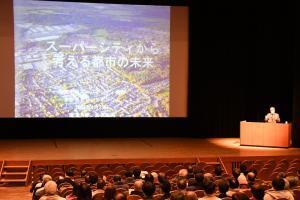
(91, 60)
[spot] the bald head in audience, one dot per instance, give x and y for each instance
(51, 192)
(50, 188)
(183, 173)
(251, 176)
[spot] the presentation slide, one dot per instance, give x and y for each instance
(91, 59)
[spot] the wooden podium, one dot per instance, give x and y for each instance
(265, 134)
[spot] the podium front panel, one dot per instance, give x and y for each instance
(265, 134)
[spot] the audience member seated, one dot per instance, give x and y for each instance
(82, 177)
(191, 184)
(242, 178)
(39, 180)
(236, 173)
(208, 177)
(138, 188)
(279, 192)
(100, 187)
(120, 196)
(210, 191)
(92, 181)
(84, 192)
(199, 178)
(156, 182)
(181, 185)
(109, 193)
(218, 172)
(293, 182)
(118, 182)
(240, 196)
(223, 188)
(182, 173)
(148, 189)
(149, 178)
(161, 177)
(166, 189)
(286, 182)
(74, 194)
(258, 191)
(251, 179)
(128, 177)
(39, 188)
(233, 186)
(190, 195)
(69, 178)
(137, 173)
(243, 168)
(51, 192)
(190, 170)
(177, 195)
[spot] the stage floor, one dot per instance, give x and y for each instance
(132, 148)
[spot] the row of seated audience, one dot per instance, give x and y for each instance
(189, 184)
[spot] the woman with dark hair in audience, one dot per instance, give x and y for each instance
(210, 191)
(166, 189)
(199, 178)
(233, 187)
(148, 189)
(110, 193)
(93, 180)
(128, 177)
(149, 178)
(137, 173)
(258, 191)
(218, 172)
(84, 192)
(236, 173)
(162, 177)
(223, 188)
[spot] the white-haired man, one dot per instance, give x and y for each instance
(40, 187)
(272, 117)
(51, 192)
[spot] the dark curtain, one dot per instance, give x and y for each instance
(244, 66)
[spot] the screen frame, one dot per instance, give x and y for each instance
(63, 127)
